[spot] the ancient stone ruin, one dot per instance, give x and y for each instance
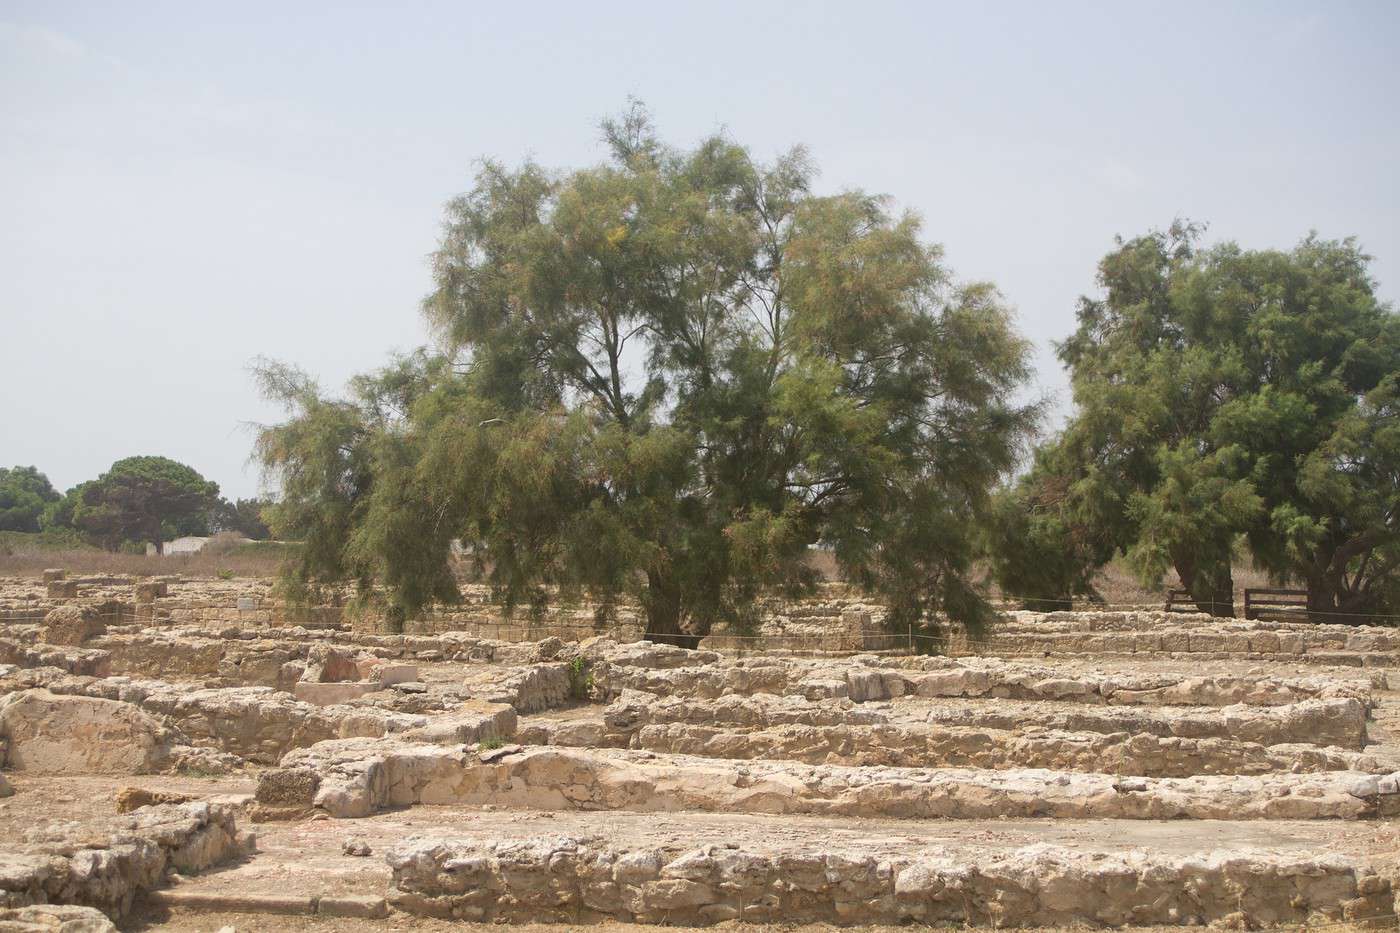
(178, 747)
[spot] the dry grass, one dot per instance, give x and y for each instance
(1118, 587)
(29, 555)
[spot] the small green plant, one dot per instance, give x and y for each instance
(490, 742)
(580, 679)
(225, 574)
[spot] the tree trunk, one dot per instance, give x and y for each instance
(1212, 585)
(1330, 602)
(1214, 591)
(1330, 595)
(663, 606)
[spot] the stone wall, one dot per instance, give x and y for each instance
(360, 776)
(570, 880)
(106, 862)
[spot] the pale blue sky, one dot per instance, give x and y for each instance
(184, 185)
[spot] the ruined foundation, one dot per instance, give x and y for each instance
(1105, 768)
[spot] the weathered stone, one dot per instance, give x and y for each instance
(54, 918)
(66, 734)
(62, 589)
(330, 694)
(72, 625)
(148, 591)
(133, 798)
(362, 776)
(106, 862)
(288, 787)
(1038, 885)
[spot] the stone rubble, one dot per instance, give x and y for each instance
(105, 863)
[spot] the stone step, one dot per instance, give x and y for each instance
(479, 861)
(927, 745)
(1333, 722)
(350, 906)
(698, 869)
(356, 777)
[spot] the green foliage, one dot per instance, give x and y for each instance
(243, 516)
(667, 376)
(580, 679)
(1044, 538)
(140, 499)
(491, 742)
(1226, 393)
(25, 494)
(53, 539)
(275, 550)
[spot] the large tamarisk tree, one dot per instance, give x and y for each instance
(1225, 399)
(669, 377)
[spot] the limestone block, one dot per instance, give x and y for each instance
(80, 735)
(865, 684)
(72, 625)
(329, 694)
(148, 591)
(55, 918)
(387, 673)
(288, 787)
(62, 589)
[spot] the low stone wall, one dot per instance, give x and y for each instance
(569, 880)
(105, 863)
(1245, 739)
(866, 678)
(87, 661)
(1113, 633)
(1335, 722)
(260, 662)
(359, 776)
(932, 746)
(262, 725)
(1339, 722)
(835, 619)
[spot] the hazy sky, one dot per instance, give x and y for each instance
(184, 186)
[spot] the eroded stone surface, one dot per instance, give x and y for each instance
(567, 879)
(105, 862)
(46, 732)
(54, 918)
(72, 625)
(361, 776)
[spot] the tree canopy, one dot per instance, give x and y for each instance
(144, 499)
(242, 516)
(668, 376)
(25, 494)
(1226, 398)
